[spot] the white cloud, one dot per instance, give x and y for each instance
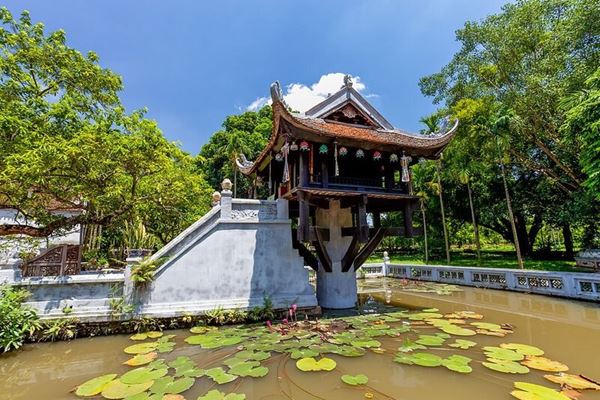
(301, 97)
(258, 103)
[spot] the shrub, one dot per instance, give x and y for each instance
(18, 321)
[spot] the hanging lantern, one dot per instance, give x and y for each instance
(404, 161)
(279, 157)
(285, 150)
(343, 152)
(294, 146)
(323, 149)
(304, 146)
(360, 153)
(377, 156)
(393, 158)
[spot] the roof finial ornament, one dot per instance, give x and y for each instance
(347, 81)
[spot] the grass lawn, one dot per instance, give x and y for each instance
(491, 259)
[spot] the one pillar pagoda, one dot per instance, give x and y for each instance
(337, 163)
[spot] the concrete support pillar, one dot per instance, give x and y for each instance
(283, 209)
(336, 289)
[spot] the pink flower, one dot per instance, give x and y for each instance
(269, 324)
(294, 307)
(285, 321)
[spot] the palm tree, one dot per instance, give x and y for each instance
(422, 199)
(500, 123)
(465, 179)
(431, 122)
(438, 166)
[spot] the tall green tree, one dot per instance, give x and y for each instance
(246, 134)
(524, 61)
(66, 141)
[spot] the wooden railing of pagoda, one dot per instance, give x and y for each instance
(57, 261)
(355, 183)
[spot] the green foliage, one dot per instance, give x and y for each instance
(136, 237)
(143, 272)
(246, 133)
(18, 322)
(507, 84)
(65, 138)
(58, 329)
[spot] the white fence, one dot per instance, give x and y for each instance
(566, 284)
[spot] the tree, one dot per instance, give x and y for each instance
(246, 133)
(66, 140)
(465, 179)
(524, 61)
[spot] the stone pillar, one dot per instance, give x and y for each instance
(226, 199)
(336, 289)
(386, 263)
(283, 209)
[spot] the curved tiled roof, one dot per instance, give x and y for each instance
(362, 136)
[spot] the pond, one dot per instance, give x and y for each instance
(429, 341)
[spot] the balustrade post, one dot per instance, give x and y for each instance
(386, 263)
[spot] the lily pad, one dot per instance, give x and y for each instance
(365, 343)
(530, 391)
(217, 395)
(457, 330)
(505, 366)
(303, 353)
(154, 334)
(141, 348)
(545, 364)
(220, 376)
(168, 385)
(574, 381)
(249, 368)
(141, 375)
(355, 380)
(426, 359)
(462, 344)
(94, 386)
(524, 349)
(139, 336)
(458, 363)
(310, 364)
(141, 359)
(119, 390)
(408, 346)
(502, 354)
(430, 340)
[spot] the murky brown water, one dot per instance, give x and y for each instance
(567, 330)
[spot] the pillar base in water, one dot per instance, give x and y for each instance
(336, 289)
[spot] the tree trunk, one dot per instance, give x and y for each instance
(439, 177)
(511, 216)
(425, 232)
(234, 182)
(475, 227)
(568, 238)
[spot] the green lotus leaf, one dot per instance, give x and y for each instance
(168, 385)
(139, 336)
(488, 326)
(524, 349)
(426, 359)
(165, 338)
(157, 364)
(220, 376)
(119, 390)
(457, 330)
(141, 348)
(180, 362)
(140, 396)
(502, 354)
(141, 375)
(365, 343)
(354, 380)
(141, 359)
(458, 363)
(249, 368)
(408, 346)
(349, 351)
(165, 347)
(424, 316)
(154, 334)
(505, 366)
(217, 395)
(430, 340)
(201, 329)
(462, 344)
(303, 353)
(94, 386)
(310, 364)
(530, 391)
(253, 355)
(403, 359)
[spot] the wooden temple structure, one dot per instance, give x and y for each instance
(337, 163)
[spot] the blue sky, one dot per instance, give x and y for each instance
(191, 63)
